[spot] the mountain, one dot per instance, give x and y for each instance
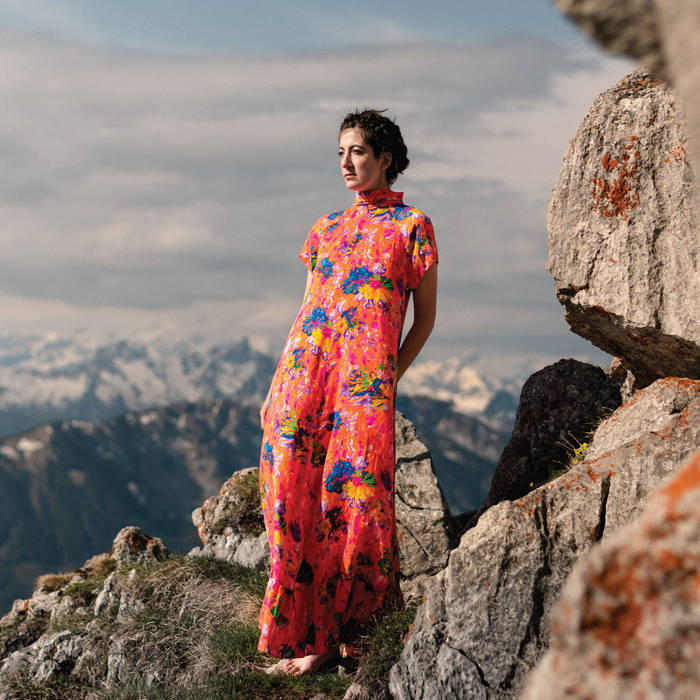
(67, 487)
(52, 377)
(102, 433)
(465, 449)
(84, 376)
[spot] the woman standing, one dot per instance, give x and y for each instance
(327, 459)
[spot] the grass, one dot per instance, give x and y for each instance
(18, 686)
(381, 651)
(195, 636)
(84, 592)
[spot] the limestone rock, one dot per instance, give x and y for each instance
(663, 34)
(131, 544)
(425, 528)
(679, 25)
(108, 595)
(628, 621)
(485, 620)
(559, 406)
(625, 26)
(118, 664)
(49, 655)
(230, 524)
(624, 249)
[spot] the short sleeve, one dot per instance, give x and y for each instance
(423, 251)
(309, 251)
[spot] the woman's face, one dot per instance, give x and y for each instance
(361, 170)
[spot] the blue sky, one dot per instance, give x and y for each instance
(265, 26)
(165, 160)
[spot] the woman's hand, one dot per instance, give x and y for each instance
(263, 410)
(266, 402)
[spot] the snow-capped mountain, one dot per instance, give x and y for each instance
(87, 377)
(51, 377)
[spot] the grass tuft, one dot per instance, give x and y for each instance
(48, 583)
(382, 649)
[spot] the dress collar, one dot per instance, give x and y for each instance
(379, 198)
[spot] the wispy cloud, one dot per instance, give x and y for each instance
(142, 181)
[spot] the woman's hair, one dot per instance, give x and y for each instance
(382, 135)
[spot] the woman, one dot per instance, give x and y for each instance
(327, 458)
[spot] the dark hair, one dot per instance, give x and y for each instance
(382, 135)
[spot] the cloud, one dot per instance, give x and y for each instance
(145, 181)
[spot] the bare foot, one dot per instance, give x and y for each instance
(304, 664)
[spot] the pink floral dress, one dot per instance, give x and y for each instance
(327, 458)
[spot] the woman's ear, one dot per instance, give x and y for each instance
(385, 160)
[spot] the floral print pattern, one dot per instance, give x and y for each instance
(327, 457)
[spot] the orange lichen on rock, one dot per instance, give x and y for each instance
(686, 480)
(617, 197)
(679, 155)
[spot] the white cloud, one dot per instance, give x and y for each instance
(135, 181)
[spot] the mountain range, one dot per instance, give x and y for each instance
(95, 435)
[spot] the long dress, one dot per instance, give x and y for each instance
(327, 456)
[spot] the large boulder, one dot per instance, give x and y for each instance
(623, 244)
(628, 621)
(485, 620)
(625, 26)
(559, 407)
(663, 34)
(230, 524)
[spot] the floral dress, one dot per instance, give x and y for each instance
(327, 458)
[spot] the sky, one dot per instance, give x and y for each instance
(164, 160)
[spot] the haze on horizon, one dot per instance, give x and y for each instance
(164, 160)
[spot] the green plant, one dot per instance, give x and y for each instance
(244, 514)
(381, 650)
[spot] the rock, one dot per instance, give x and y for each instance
(628, 621)
(131, 544)
(679, 23)
(128, 605)
(625, 26)
(485, 620)
(663, 34)
(624, 249)
(51, 654)
(117, 664)
(622, 378)
(66, 605)
(107, 596)
(231, 526)
(425, 527)
(559, 406)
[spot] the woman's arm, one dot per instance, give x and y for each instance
(424, 306)
(263, 410)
